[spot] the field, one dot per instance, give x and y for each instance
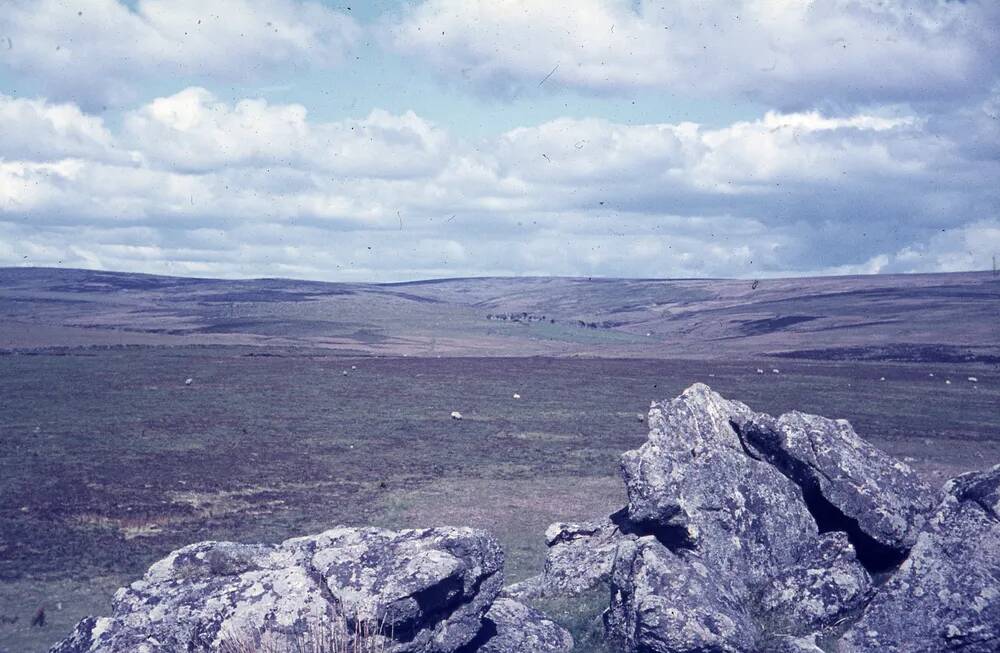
(110, 460)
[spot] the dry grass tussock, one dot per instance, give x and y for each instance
(338, 636)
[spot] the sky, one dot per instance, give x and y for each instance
(389, 141)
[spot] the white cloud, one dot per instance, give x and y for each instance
(969, 247)
(789, 53)
(189, 184)
(96, 51)
(193, 131)
(37, 130)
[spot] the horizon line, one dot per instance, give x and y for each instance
(8, 268)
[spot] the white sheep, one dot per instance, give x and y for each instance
(776, 371)
(188, 381)
(973, 379)
(760, 371)
(456, 415)
(517, 396)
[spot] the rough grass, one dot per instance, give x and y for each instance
(109, 461)
(581, 616)
(337, 636)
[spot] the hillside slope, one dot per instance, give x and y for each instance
(944, 317)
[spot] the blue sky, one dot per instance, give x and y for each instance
(391, 141)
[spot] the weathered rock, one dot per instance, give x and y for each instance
(667, 602)
(946, 595)
(425, 590)
(739, 562)
(693, 485)
(791, 644)
(580, 558)
(841, 473)
(515, 628)
(815, 592)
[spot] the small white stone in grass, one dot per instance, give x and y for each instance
(882, 379)
(973, 379)
(517, 396)
(931, 374)
(456, 415)
(188, 381)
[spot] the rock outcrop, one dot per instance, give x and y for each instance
(946, 595)
(731, 556)
(513, 627)
(816, 591)
(664, 600)
(580, 558)
(846, 479)
(420, 591)
(745, 532)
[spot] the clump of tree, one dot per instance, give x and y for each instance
(522, 317)
(606, 324)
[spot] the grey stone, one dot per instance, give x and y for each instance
(667, 602)
(886, 499)
(946, 595)
(516, 628)
(817, 591)
(426, 591)
(580, 558)
(730, 555)
(693, 485)
(791, 644)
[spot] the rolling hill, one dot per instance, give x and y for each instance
(928, 317)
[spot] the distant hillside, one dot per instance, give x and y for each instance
(951, 317)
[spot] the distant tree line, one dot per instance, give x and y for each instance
(519, 317)
(527, 318)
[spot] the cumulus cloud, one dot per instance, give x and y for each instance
(192, 185)
(193, 131)
(968, 247)
(792, 54)
(96, 51)
(37, 130)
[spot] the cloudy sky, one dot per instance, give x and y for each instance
(383, 140)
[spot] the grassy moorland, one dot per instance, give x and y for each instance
(315, 404)
(110, 460)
